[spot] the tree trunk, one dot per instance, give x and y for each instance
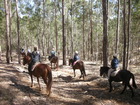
(72, 28)
(18, 29)
(117, 31)
(56, 31)
(83, 31)
(128, 31)
(91, 32)
(10, 33)
(124, 30)
(7, 32)
(43, 22)
(105, 33)
(64, 36)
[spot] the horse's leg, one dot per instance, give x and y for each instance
(110, 84)
(125, 85)
(46, 82)
(57, 65)
(31, 79)
(74, 72)
(131, 90)
(51, 65)
(81, 73)
(38, 83)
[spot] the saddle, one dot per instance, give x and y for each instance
(35, 65)
(112, 72)
(75, 62)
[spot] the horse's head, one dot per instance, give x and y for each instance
(104, 70)
(70, 61)
(23, 53)
(26, 60)
(49, 57)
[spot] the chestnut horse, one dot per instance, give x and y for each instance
(40, 70)
(122, 75)
(78, 65)
(54, 60)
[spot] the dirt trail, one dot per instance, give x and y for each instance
(66, 90)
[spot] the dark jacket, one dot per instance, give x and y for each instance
(114, 63)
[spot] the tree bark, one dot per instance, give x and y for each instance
(128, 31)
(18, 29)
(83, 31)
(124, 31)
(7, 32)
(118, 29)
(63, 34)
(105, 33)
(56, 31)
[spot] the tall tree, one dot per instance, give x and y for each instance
(71, 12)
(105, 34)
(43, 22)
(7, 31)
(63, 34)
(118, 28)
(18, 34)
(83, 29)
(91, 32)
(124, 31)
(56, 30)
(128, 32)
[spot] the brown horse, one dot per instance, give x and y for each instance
(79, 65)
(54, 60)
(40, 70)
(122, 75)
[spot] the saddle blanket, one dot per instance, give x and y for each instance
(112, 72)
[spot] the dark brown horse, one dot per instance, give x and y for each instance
(54, 60)
(78, 65)
(40, 70)
(122, 75)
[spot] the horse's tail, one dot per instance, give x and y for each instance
(49, 84)
(133, 81)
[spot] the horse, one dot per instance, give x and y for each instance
(40, 70)
(54, 60)
(78, 65)
(122, 75)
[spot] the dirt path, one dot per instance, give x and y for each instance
(66, 90)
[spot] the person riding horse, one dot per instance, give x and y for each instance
(114, 62)
(76, 57)
(53, 54)
(35, 57)
(114, 66)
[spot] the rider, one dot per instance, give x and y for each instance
(76, 56)
(53, 53)
(29, 52)
(35, 58)
(114, 62)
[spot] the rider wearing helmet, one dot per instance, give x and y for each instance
(76, 56)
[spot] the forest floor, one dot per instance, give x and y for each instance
(66, 90)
